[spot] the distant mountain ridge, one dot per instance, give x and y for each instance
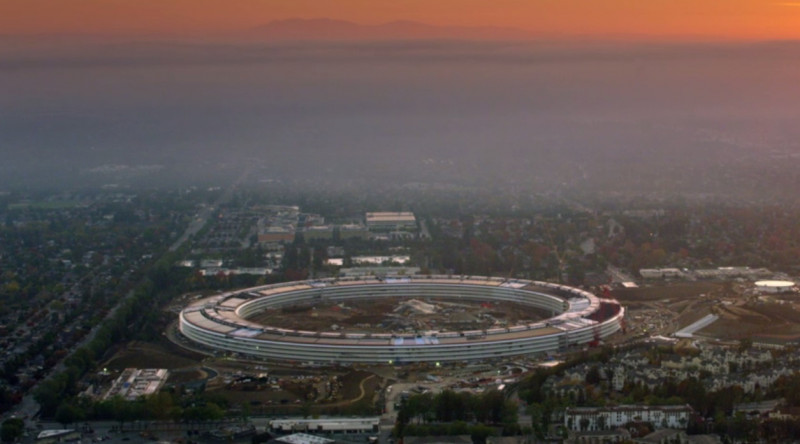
(330, 29)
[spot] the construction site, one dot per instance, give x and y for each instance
(733, 310)
(381, 315)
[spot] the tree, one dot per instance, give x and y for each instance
(12, 429)
(419, 406)
(211, 412)
(495, 404)
(49, 395)
(745, 344)
(68, 413)
(480, 432)
(121, 409)
(593, 375)
(159, 405)
(448, 406)
(305, 409)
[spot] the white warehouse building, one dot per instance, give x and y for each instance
(775, 286)
(391, 221)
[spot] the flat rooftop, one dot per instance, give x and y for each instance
(403, 216)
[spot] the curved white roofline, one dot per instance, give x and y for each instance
(219, 322)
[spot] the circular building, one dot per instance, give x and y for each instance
(223, 322)
(775, 286)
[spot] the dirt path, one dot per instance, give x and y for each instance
(362, 393)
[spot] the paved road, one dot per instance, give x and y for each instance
(28, 408)
(197, 224)
(108, 431)
(200, 220)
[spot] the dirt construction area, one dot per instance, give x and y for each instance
(663, 309)
(266, 389)
(765, 319)
(400, 315)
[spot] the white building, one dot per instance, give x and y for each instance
(304, 438)
(326, 425)
(57, 435)
(775, 286)
(600, 418)
(391, 221)
(134, 382)
(660, 273)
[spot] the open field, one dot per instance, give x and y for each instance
(673, 292)
(273, 389)
(150, 355)
(664, 308)
(327, 393)
(183, 376)
(359, 384)
(760, 320)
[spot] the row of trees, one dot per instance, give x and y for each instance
(478, 432)
(12, 429)
(163, 406)
(742, 428)
(132, 318)
(424, 413)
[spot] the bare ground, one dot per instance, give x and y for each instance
(387, 314)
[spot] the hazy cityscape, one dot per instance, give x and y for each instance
(262, 223)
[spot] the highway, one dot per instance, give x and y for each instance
(201, 218)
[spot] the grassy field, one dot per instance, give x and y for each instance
(352, 385)
(358, 389)
(149, 355)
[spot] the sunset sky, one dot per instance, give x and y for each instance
(670, 19)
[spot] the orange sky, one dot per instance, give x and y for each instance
(728, 19)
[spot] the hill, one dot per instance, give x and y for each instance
(329, 29)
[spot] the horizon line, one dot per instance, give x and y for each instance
(526, 35)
